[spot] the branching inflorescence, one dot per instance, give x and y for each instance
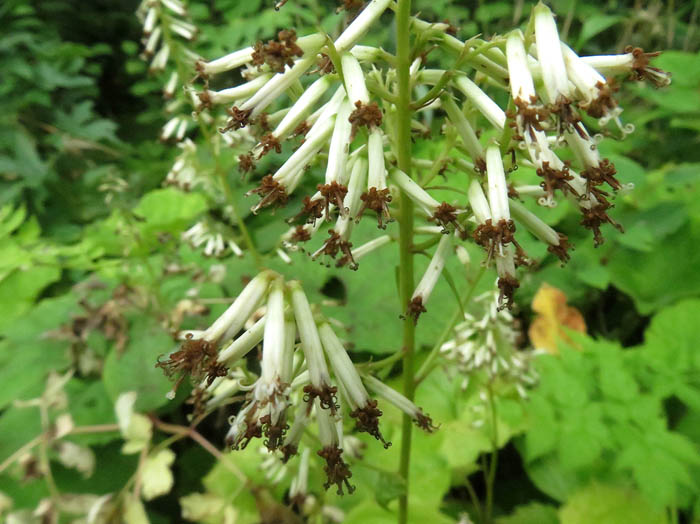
(335, 101)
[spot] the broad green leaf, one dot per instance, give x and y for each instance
(605, 504)
(532, 513)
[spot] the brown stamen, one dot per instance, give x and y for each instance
(277, 54)
(376, 200)
(368, 116)
(337, 471)
(367, 420)
(271, 193)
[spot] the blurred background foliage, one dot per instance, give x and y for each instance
(94, 279)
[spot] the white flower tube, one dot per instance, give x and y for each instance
(549, 55)
(360, 25)
(227, 63)
(375, 152)
(274, 337)
(498, 188)
(343, 368)
(231, 321)
(354, 79)
(370, 246)
(397, 399)
(478, 202)
(432, 273)
(464, 128)
(302, 107)
(282, 81)
(232, 94)
(483, 102)
(416, 193)
(240, 347)
(312, 348)
(340, 145)
(521, 84)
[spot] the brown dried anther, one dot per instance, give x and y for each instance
(489, 236)
(334, 245)
(451, 29)
(301, 129)
(271, 193)
(568, 117)
(337, 471)
(561, 250)
(642, 70)
(196, 358)
(288, 451)
(445, 215)
(239, 119)
(604, 173)
(252, 430)
(556, 179)
(507, 285)
(595, 217)
(300, 235)
(365, 115)
(269, 143)
(605, 102)
(333, 193)
(376, 200)
(424, 422)
(367, 420)
(274, 433)
(246, 163)
(277, 54)
(325, 65)
(415, 308)
(327, 396)
(312, 209)
(528, 117)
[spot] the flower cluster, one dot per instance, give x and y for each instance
(305, 373)
(344, 116)
(486, 341)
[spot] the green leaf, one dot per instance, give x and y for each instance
(593, 25)
(134, 369)
(533, 513)
(605, 504)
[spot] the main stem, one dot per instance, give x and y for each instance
(406, 283)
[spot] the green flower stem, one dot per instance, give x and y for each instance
(406, 276)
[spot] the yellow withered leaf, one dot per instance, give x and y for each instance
(553, 314)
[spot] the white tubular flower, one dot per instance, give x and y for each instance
(549, 55)
(634, 62)
(522, 86)
(226, 63)
(275, 189)
(596, 93)
(370, 246)
(427, 283)
(392, 396)
(339, 146)
(313, 351)
(152, 42)
(208, 98)
(478, 202)
(171, 85)
(354, 80)
(277, 85)
(360, 25)
(498, 187)
(444, 214)
(596, 171)
(149, 23)
(231, 321)
(377, 196)
(483, 102)
(242, 345)
(160, 60)
(337, 471)
(302, 107)
(327, 110)
(466, 132)
(175, 6)
(363, 409)
(558, 243)
(271, 392)
(375, 151)
(169, 128)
